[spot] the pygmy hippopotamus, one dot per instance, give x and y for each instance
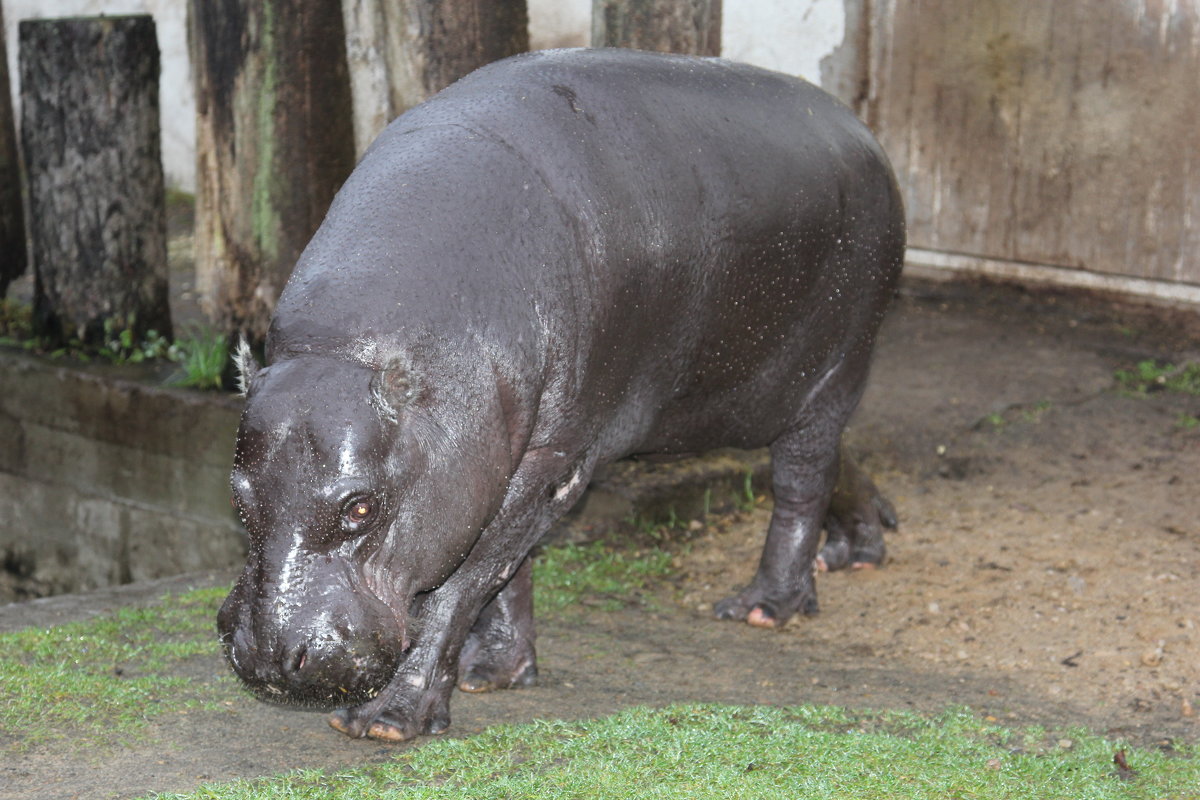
(565, 258)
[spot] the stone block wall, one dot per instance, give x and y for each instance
(106, 480)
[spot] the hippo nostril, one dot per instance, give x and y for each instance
(294, 660)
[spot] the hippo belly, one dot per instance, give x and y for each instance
(564, 258)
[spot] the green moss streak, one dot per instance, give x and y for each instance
(265, 213)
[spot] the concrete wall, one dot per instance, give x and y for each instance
(105, 481)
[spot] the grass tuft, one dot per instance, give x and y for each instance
(596, 575)
(202, 354)
(1154, 376)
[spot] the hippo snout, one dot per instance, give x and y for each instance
(319, 663)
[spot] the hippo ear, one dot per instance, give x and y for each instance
(246, 366)
(392, 389)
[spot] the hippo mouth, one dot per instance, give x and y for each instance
(313, 698)
(318, 681)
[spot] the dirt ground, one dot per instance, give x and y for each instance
(1045, 571)
(1049, 531)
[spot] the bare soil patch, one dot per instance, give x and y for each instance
(1049, 520)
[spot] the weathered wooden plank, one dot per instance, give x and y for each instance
(402, 51)
(90, 132)
(669, 26)
(1045, 131)
(12, 213)
(274, 141)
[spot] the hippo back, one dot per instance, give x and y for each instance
(656, 238)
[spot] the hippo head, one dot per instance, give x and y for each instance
(356, 500)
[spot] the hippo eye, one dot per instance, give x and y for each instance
(358, 511)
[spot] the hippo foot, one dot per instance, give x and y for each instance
(483, 669)
(755, 606)
(385, 728)
(854, 524)
(398, 721)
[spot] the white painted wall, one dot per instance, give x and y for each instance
(788, 35)
(559, 23)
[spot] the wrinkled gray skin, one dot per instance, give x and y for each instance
(565, 258)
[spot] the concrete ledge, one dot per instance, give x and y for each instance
(111, 480)
(939, 265)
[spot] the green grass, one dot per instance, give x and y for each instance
(101, 681)
(1150, 376)
(745, 500)
(708, 751)
(104, 679)
(16, 321)
(1016, 413)
(568, 576)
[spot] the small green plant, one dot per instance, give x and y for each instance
(120, 346)
(203, 354)
(1153, 376)
(1187, 421)
(745, 499)
(16, 322)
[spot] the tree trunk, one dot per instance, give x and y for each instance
(12, 218)
(669, 26)
(274, 141)
(90, 131)
(402, 51)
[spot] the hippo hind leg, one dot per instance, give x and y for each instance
(499, 652)
(803, 473)
(854, 524)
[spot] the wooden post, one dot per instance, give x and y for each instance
(12, 217)
(90, 132)
(669, 26)
(402, 51)
(274, 141)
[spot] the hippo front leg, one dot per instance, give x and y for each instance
(417, 700)
(496, 652)
(499, 653)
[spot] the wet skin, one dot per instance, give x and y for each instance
(563, 259)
